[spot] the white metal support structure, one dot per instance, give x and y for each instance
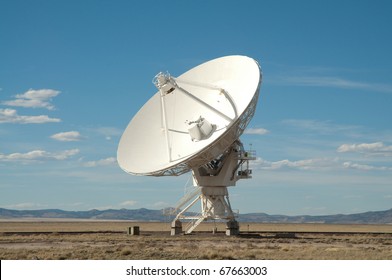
(212, 179)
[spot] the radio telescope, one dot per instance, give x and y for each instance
(193, 123)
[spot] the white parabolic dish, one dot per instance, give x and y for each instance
(223, 92)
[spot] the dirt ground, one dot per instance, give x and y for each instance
(109, 240)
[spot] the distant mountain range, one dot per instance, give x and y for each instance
(373, 217)
(142, 214)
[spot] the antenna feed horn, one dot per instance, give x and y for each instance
(164, 82)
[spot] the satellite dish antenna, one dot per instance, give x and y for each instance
(193, 123)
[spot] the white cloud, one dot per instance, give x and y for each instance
(364, 167)
(258, 131)
(160, 204)
(305, 164)
(108, 132)
(25, 206)
(101, 208)
(39, 155)
(68, 136)
(101, 162)
(336, 82)
(11, 116)
(128, 203)
(322, 127)
(324, 164)
(34, 99)
(377, 148)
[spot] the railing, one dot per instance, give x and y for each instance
(193, 224)
(187, 197)
(248, 154)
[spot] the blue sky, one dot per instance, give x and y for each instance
(73, 74)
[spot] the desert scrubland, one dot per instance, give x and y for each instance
(56, 239)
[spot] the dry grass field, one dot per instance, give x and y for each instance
(109, 240)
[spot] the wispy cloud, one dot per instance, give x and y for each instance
(257, 131)
(38, 155)
(305, 164)
(11, 116)
(101, 162)
(159, 204)
(320, 164)
(334, 82)
(69, 136)
(324, 127)
(108, 132)
(377, 148)
(34, 99)
(25, 206)
(364, 167)
(128, 203)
